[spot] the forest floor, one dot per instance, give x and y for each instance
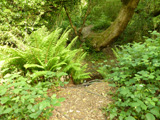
(85, 101)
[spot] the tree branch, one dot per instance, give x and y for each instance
(74, 28)
(85, 17)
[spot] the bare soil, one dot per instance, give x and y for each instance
(83, 102)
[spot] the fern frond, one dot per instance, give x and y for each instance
(53, 68)
(33, 66)
(39, 74)
(72, 43)
(51, 62)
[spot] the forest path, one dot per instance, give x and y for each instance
(82, 102)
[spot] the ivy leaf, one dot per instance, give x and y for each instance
(150, 116)
(130, 118)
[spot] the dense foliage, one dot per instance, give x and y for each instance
(44, 52)
(20, 17)
(136, 79)
(146, 18)
(19, 100)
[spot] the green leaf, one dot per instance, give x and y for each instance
(155, 111)
(31, 100)
(4, 99)
(44, 104)
(57, 104)
(61, 99)
(3, 91)
(130, 118)
(8, 110)
(112, 85)
(16, 91)
(7, 10)
(35, 115)
(53, 96)
(38, 74)
(29, 107)
(60, 74)
(33, 66)
(134, 104)
(1, 109)
(112, 115)
(150, 116)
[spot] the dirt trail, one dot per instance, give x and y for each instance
(82, 102)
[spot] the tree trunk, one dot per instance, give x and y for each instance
(101, 40)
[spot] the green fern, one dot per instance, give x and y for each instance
(43, 51)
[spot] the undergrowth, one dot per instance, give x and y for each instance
(44, 52)
(136, 79)
(19, 100)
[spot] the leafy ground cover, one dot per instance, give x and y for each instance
(40, 62)
(136, 79)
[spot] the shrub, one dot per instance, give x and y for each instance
(19, 100)
(43, 52)
(136, 79)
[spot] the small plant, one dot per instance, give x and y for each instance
(136, 79)
(19, 100)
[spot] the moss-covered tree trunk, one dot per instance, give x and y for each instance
(101, 40)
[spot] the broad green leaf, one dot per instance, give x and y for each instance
(130, 118)
(112, 115)
(16, 91)
(35, 115)
(155, 111)
(3, 91)
(54, 101)
(61, 99)
(8, 110)
(112, 85)
(16, 99)
(31, 100)
(150, 116)
(7, 10)
(29, 107)
(4, 99)
(44, 104)
(134, 104)
(16, 110)
(57, 104)
(1, 109)
(53, 96)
